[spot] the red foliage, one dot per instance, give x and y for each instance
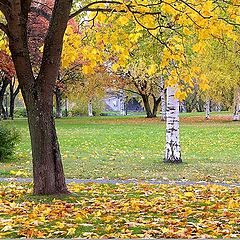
(6, 64)
(37, 28)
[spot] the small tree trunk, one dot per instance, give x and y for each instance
(156, 103)
(236, 105)
(183, 107)
(90, 109)
(5, 83)
(13, 95)
(172, 151)
(58, 94)
(163, 105)
(5, 110)
(163, 99)
(147, 107)
(207, 107)
(123, 111)
(66, 107)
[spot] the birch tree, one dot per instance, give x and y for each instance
(236, 104)
(173, 150)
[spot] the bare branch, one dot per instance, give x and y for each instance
(87, 7)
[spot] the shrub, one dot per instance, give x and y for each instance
(20, 113)
(9, 137)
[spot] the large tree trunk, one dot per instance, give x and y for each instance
(90, 109)
(47, 165)
(147, 107)
(58, 94)
(207, 107)
(172, 151)
(236, 104)
(38, 91)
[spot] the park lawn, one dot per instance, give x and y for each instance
(121, 211)
(133, 148)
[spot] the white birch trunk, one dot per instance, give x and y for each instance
(236, 105)
(163, 100)
(207, 107)
(173, 150)
(90, 109)
(122, 104)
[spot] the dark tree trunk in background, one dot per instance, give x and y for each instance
(151, 113)
(38, 91)
(4, 85)
(58, 94)
(156, 103)
(13, 95)
(147, 107)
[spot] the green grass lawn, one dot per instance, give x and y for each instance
(133, 147)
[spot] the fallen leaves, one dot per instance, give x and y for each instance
(121, 211)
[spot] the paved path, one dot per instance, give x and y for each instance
(128, 181)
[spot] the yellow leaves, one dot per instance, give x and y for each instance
(123, 20)
(233, 204)
(203, 82)
(106, 211)
(186, 31)
(180, 94)
(71, 231)
(238, 19)
(167, 8)
(19, 173)
(108, 228)
(152, 69)
(115, 67)
(207, 8)
(189, 194)
(199, 47)
(87, 69)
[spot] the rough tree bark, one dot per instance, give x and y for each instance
(236, 104)
(38, 91)
(172, 151)
(207, 108)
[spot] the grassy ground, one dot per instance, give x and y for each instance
(133, 147)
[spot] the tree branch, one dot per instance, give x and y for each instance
(87, 7)
(4, 28)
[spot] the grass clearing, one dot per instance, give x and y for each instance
(133, 147)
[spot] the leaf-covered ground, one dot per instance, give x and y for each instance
(133, 147)
(121, 211)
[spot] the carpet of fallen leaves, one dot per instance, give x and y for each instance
(121, 211)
